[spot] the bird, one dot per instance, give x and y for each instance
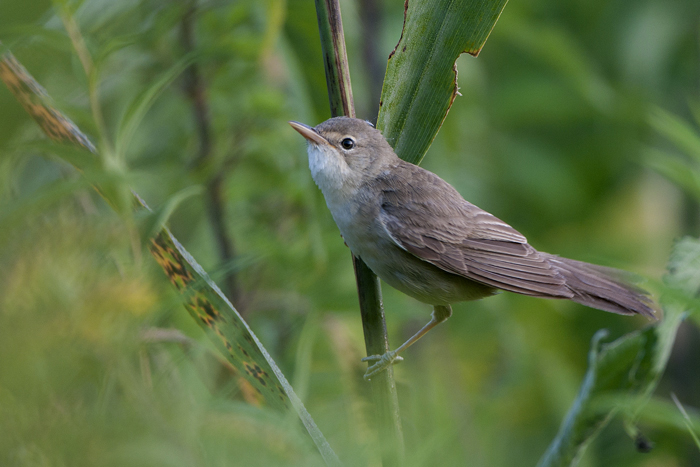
(419, 235)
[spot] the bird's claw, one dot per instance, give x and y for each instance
(383, 362)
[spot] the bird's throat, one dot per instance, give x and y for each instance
(329, 170)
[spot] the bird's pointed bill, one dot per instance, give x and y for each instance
(309, 133)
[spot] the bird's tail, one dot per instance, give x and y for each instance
(604, 288)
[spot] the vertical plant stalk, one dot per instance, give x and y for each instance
(335, 58)
(215, 200)
(385, 400)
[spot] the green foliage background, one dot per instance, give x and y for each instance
(551, 134)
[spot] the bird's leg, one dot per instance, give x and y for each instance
(440, 314)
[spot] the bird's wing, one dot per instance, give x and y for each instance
(428, 218)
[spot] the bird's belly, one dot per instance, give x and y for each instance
(407, 273)
(425, 282)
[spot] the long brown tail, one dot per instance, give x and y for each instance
(604, 288)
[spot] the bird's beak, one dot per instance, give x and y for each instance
(309, 133)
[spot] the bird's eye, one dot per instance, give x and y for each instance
(347, 143)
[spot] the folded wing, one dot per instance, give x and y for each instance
(430, 219)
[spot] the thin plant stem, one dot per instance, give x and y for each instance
(384, 397)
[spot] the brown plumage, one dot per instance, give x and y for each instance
(418, 234)
(429, 219)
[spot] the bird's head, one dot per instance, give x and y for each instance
(345, 152)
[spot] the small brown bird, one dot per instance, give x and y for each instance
(417, 233)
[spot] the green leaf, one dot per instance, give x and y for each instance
(626, 370)
(421, 77)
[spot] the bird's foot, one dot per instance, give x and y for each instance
(383, 362)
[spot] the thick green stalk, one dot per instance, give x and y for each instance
(384, 397)
(386, 405)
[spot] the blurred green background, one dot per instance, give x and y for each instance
(100, 363)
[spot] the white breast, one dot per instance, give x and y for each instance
(336, 181)
(327, 169)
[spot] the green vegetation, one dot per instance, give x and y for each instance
(558, 130)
